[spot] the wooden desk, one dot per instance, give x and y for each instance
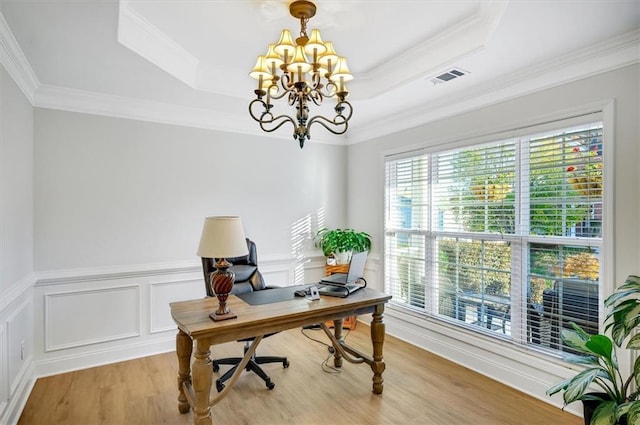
(195, 326)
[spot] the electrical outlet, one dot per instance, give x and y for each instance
(21, 350)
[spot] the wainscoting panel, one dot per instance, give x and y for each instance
(74, 319)
(17, 374)
(163, 293)
(104, 315)
(19, 324)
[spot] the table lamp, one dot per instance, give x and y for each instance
(222, 237)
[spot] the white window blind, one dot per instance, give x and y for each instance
(503, 238)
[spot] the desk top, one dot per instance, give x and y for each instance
(192, 317)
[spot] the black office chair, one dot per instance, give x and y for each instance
(247, 279)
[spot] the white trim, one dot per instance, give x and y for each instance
(56, 277)
(87, 102)
(16, 290)
(103, 356)
(606, 56)
(15, 62)
(145, 39)
(426, 58)
(16, 403)
(602, 57)
(26, 363)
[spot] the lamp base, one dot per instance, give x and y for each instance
(219, 317)
(221, 285)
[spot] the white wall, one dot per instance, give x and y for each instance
(620, 88)
(119, 207)
(112, 191)
(16, 248)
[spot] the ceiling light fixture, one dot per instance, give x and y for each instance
(302, 72)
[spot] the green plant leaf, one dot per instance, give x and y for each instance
(578, 385)
(556, 388)
(581, 359)
(600, 345)
(605, 414)
(634, 343)
(579, 330)
(636, 371)
(633, 414)
(575, 340)
(631, 287)
(621, 320)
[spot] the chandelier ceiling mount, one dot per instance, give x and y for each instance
(303, 72)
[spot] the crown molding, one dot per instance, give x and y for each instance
(142, 37)
(86, 102)
(602, 57)
(15, 62)
(430, 56)
(606, 56)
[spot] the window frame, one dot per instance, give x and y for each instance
(519, 264)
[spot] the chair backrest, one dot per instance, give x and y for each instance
(248, 277)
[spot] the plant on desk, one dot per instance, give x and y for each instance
(618, 403)
(340, 243)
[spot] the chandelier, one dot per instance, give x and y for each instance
(304, 72)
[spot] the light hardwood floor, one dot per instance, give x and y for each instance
(419, 388)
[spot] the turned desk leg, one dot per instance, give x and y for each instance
(337, 331)
(202, 380)
(377, 338)
(184, 347)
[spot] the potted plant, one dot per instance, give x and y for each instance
(616, 402)
(342, 242)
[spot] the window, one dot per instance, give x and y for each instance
(502, 238)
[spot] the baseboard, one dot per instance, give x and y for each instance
(93, 358)
(13, 410)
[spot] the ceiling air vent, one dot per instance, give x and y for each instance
(451, 74)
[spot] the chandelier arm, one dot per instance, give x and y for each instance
(328, 92)
(326, 123)
(267, 118)
(316, 96)
(270, 95)
(340, 120)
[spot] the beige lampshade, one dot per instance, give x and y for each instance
(260, 70)
(285, 44)
(315, 44)
(299, 63)
(272, 59)
(222, 237)
(329, 56)
(341, 71)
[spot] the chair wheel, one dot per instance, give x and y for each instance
(285, 363)
(219, 386)
(216, 367)
(270, 385)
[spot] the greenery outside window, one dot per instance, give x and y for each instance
(503, 237)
